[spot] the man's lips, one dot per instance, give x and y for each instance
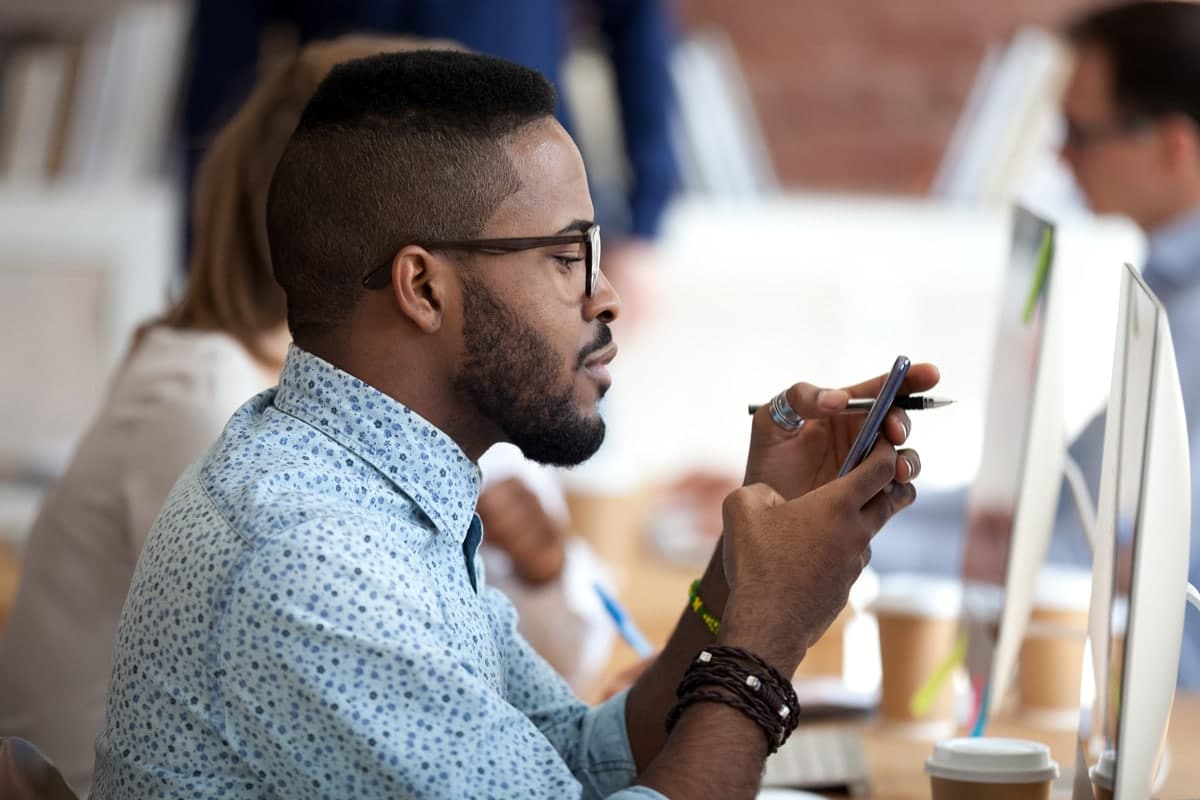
(596, 365)
(601, 358)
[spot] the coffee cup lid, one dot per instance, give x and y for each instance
(983, 601)
(1063, 589)
(919, 596)
(1104, 771)
(986, 760)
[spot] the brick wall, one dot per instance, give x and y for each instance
(863, 94)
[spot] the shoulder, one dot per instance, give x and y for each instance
(209, 366)
(342, 570)
(273, 476)
(173, 388)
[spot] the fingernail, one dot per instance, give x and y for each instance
(912, 466)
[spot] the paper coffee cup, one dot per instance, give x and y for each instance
(841, 646)
(826, 656)
(1051, 659)
(990, 769)
(918, 618)
(1103, 774)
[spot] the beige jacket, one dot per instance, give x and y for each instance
(168, 403)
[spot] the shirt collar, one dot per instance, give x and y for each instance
(414, 455)
(1174, 254)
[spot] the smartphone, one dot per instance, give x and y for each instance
(874, 421)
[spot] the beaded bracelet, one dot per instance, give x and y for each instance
(711, 620)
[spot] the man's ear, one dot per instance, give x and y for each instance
(1180, 138)
(419, 285)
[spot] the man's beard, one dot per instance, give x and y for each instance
(514, 378)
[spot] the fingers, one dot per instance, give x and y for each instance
(515, 522)
(920, 378)
(870, 477)
(814, 401)
(498, 497)
(883, 506)
(897, 426)
(908, 465)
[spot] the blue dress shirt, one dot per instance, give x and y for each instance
(309, 618)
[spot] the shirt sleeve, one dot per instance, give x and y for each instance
(348, 657)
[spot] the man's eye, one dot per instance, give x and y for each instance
(568, 261)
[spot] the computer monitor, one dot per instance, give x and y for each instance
(1144, 510)
(1018, 481)
(1003, 144)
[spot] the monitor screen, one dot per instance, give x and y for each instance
(1128, 429)
(1017, 357)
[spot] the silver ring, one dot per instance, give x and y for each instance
(783, 415)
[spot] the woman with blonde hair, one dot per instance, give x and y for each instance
(186, 373)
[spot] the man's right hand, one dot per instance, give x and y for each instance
(515, 521)
(790, 564)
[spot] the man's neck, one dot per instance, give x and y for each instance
(1187, 206)
(417, 382)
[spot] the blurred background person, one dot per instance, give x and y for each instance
(1132, 114)
(1132, 142)
(185, 374)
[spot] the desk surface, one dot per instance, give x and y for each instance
(896, 764)
(655, 594)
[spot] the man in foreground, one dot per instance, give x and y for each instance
(309, 617)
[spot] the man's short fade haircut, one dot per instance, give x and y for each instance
(1153, 48)
(391, 150)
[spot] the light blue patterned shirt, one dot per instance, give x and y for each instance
(309, 618)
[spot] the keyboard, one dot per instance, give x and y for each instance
(820, 757)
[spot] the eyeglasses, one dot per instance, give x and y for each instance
(381, 276)
(1081, 137)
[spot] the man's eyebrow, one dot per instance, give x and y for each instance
(580, 225)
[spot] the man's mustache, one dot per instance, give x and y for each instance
(603, 339)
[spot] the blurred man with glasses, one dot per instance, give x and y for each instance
(1132, 109)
